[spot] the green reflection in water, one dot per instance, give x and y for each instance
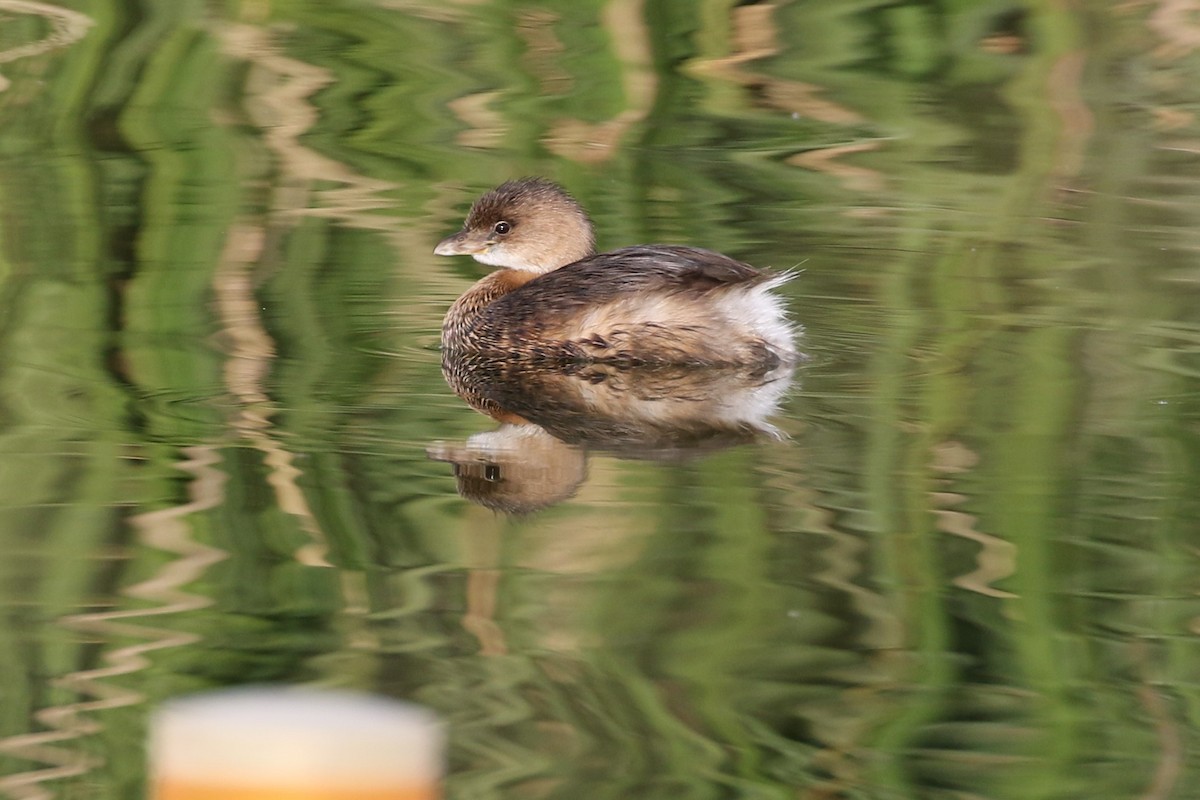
(970, 573)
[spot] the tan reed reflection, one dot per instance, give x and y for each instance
(251, 353)
(277, 101)
(595, 143)
(436, 10)
(486, 127)
(1064, 93)
(543, 48)
(852, 176)
(1177, 22)
(66, 28)
(845, 569)
(167, 530)
(481, 548)
(574, 139)
(755, 36)
(997, 558)
(571, 138)
(1172, 751)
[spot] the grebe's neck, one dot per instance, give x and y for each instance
(457, 324)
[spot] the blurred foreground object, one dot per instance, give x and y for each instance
(293, 744)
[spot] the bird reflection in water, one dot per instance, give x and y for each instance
(552, 416)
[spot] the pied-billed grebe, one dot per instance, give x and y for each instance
(557, 299)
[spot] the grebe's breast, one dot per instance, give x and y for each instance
(644, 304)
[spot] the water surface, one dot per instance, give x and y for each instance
(968, 569)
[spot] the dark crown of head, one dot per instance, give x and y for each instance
(511, 196)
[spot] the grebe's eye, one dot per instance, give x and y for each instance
(502, 227)
(491, 473)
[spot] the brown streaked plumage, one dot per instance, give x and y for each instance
(556, 300)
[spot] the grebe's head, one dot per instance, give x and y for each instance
(530, 224)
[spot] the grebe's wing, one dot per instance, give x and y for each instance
(662, 267)
(644, 269)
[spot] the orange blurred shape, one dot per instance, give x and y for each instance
(180, 790)
(294, 744)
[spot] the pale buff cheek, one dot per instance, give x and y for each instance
(538, 251)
